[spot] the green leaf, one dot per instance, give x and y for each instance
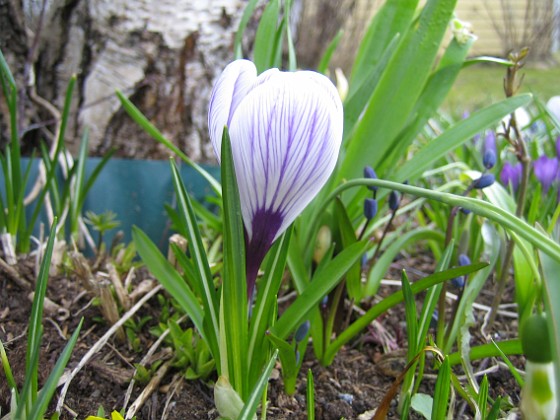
(287, 354)
(234, 280)
(457, 135)
(149, 128)
(247, 14)
(310, 392)
(203, 274)
(441, 394)
(320, 286)
(250, 407)
(392, 300)
(327, 55)
(399, 88)
(381, 266)
(166, 274)
(46, 393)
(482, 399)
(265, 38)
(410, 315)
(550, 269)
(489, 350)
(353, 277)
(392, 19)
(422, 403)
(266, 302)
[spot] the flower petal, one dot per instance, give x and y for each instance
(285, 137)
(231, 88)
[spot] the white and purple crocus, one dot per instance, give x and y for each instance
(285, 130)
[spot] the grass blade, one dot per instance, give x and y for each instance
(234, 280)
(441, 394)
(250, 407)
(149, 128)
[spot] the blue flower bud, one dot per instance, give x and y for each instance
(484, 181)
(464, 260)
(370, 174)
(465, 211)
(370, 208)
(302, 331)
(458, 282)
(394, 200)
(489, 150)
(489, 159)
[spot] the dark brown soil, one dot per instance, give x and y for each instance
(350, 388)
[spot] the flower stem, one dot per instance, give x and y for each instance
(510, 86)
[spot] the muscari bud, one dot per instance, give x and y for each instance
(370, 208)
(484, 181)
(394, 200)
(302, 331)
(370, 174)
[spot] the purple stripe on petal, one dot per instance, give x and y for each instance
(265, 226)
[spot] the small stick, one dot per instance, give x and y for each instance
(151, 387)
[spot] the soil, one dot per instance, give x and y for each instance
(351, 388)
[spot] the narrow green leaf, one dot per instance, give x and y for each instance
(482, 399)
(46, 393)
(149, 128)
(198, 255)
(238, 42)
(551, 268)
(287, 354)
(353, 329)
(166, 274)
(234, 280)
(265, 303)
(327, 55)
(381, 266)
(310, 392)
(399, 88)
(393, 18)
(410, 315)
(508, 347)
(250, 407)
(353, 277)
(441, 394)
(264, 47)
(503, 217)
(457, 135)
(320, 286)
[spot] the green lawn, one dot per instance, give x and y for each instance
(480, 85)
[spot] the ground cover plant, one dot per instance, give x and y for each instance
(284, 271)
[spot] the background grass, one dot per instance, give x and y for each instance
(482, 84)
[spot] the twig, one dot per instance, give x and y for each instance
(151, 387)
(14, 275)
(102, 341)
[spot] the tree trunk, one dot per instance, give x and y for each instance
(162, 54)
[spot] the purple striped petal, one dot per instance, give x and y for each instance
(285, 137)
(233, 85)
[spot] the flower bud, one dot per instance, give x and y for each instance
(370, 208)
(322, 243)
(370, 174)
(394, 200)
(489, 150)
(484, 181)
(464, 260)
(302, 331)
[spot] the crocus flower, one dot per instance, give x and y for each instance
(285, 130)
(546, 171)
(511, 174)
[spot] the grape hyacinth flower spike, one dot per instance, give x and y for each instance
(285, 130)
(546, 171)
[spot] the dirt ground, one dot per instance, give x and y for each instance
(351, 388)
